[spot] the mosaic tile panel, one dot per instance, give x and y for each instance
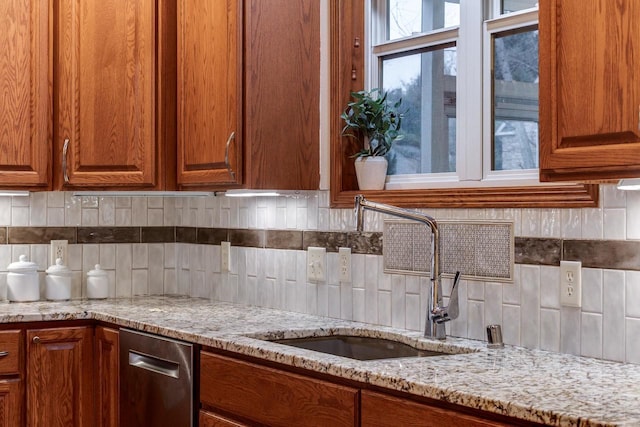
(479, 250)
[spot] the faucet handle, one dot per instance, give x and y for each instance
(450, 312)
(454, 307)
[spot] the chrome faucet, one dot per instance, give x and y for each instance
(437, 314)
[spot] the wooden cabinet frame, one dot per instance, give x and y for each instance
(347, 75)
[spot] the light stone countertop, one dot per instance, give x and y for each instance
(534, 385)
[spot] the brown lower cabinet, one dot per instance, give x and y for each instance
(60, 377)
(10, 402)
(107, 362)
(240, 393)
(246, 392)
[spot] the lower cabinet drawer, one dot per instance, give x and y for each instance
(274, 397)
(383, 411)
(10, 352)
(209, 419)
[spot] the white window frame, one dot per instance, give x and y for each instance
(472, 38)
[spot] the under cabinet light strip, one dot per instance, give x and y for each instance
(144, 193)
(14, 193)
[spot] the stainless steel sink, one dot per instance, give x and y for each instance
(360, 348)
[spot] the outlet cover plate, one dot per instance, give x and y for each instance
(225, 257)
(316, 263)
(571, 283)
(344, 265)
(59, 249)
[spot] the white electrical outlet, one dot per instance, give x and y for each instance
(571, 283)
(344, 265)
(59, 249)
(316, 264)
(225, 257)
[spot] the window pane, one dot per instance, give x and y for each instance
(515, 100)
(409, 17)
(509, 6)
(426, 81)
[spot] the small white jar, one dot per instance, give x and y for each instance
(22, 281)
(58, 282)
(97, 283)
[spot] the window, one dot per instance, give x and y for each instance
(467, 186)
(467, 72)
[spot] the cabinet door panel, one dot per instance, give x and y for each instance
(25, 119)
(107, 358)
(105, 92)
(209, 92)
(10, 403)
(282, 94)
(589, 89)
(59, 377)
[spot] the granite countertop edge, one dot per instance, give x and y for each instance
(532, 385)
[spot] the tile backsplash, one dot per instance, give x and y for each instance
(607, 326)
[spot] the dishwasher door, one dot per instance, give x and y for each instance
(156, 381)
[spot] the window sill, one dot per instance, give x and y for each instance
(556, 196)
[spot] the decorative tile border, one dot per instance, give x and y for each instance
(609, 254)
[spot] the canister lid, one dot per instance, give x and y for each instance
(58, 269)
(22, 266)
(97, 272)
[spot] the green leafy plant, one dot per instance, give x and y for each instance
(374, 121)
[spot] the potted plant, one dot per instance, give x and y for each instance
(375, 123)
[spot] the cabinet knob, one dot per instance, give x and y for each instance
(4, 354)
(36, 340)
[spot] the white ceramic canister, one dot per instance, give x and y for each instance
(97, 283)
(58, 282)
(22, 281)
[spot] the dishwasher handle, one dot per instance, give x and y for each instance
(154, 364)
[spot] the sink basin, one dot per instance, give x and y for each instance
(360, 348)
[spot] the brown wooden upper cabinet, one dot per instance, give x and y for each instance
(248, 94)
(108, 93)
(25, 126)
(589, 90)
(83, 103)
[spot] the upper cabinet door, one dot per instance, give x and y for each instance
(589, 89)
(105, 93)
(25, 112)
(209, 92)
(282, 94)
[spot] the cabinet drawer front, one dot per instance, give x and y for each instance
(273, 397)
(382, 410)
(9, 352)
(209, 419)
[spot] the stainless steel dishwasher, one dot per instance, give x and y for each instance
(156, 381)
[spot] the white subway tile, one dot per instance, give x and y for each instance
(89, 217)
(493, 303)
(511, 324)
(632, 297)
(334, 301)
(5, 211)
(346, 301)
(398, 301)
(476, 323)
(550, 287)
(89, 202)
(140, 282)
(123, 270)
(592, 223)
(613, 318)
(139, 211)
(550, 329)
(359, 310)
(55, 199)
(551, 223)
(156, 268)
(387, 310)
(38, 209)
(412, 313)
(107, 256)
(614, 198)
(107, 211)
(170, 281)
(591, 338)
(55, 217)
(73, 210)
(20, 216)
(570, 330)
(571, 223)
(475, 290)
(592, 290)
(140, 256)
(531, 223)
(632, 341)
(511, 291)
(615, 224)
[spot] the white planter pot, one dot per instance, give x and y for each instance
(371, 172)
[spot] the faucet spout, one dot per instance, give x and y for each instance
(437, 315)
